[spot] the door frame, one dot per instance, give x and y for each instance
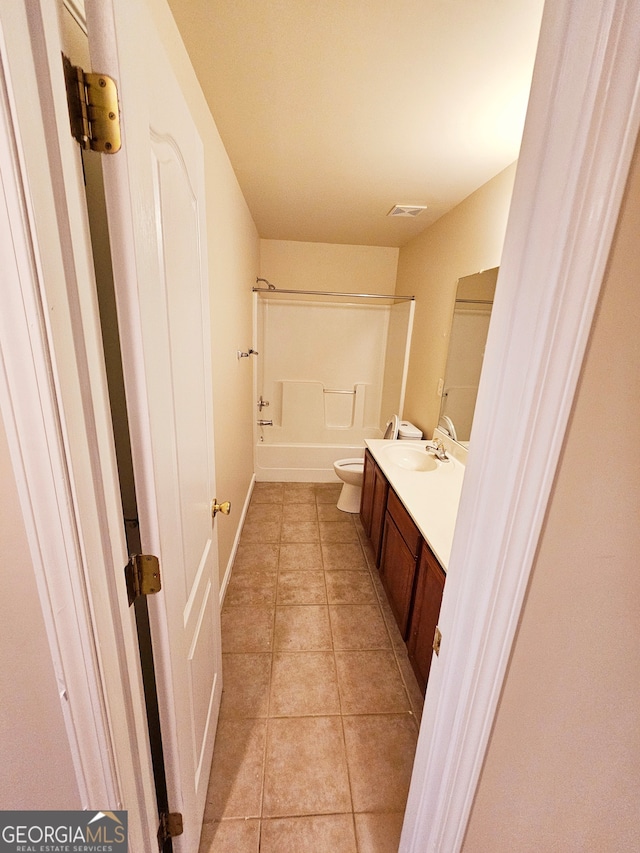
(55, 404)
(580, 134)
(45, 393)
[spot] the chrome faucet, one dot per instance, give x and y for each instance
(437, 448)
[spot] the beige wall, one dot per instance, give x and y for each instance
(36, 771)
(233, 262)
(329, 266)
(466, 240)
(562, 769)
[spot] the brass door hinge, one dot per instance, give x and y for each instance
(93, 109)
(170, 826)
(142, 573)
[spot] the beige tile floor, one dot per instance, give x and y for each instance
(320, 708)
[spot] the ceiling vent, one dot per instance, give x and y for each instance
(412, 210)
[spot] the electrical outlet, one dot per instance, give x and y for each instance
(440, 387)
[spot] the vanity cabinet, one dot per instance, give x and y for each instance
(411, 575)
(375, 489)
(401, 547)
(424, 617)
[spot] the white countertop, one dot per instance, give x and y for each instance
(430, 497)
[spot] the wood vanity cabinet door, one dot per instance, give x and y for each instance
(366, 501)
(403, 521)
(397, 573)
(424, 618)
(378, 509)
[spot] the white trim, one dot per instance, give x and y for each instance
(255, 381)
(30, 412)
(236, 542)
(579, 136)
(407, 352)
(76, 10)
(55, 401)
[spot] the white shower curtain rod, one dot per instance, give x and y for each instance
(272, 289)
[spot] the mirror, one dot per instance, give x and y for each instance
(469, 328)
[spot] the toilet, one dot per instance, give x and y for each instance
(351, 471)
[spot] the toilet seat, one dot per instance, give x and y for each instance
(351, 472)
(392, 428)
(351, 464)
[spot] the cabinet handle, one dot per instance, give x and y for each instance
(437, 639)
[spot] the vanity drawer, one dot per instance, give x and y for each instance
(404, 523)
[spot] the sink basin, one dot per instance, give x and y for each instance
(410, 458)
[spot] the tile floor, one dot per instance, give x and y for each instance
(320, 708)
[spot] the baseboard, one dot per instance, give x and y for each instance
(236, 542)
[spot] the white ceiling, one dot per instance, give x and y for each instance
(333, 111)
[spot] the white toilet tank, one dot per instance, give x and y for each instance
(408, 432)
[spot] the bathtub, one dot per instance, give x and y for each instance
(301, 463)
(322, 406)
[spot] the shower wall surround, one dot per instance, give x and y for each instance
(333, 372)
(312, 352)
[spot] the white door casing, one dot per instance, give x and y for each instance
(581, 129)
(156, 209)
(55, 406)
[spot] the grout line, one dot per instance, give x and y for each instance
(342, 715)
(267, 734)
(377, 593)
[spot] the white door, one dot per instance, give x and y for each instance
(156, 209)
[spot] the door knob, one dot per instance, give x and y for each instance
(224, 508)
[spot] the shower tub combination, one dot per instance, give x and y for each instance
(332, 368)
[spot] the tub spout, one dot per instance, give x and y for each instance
(265, 423)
